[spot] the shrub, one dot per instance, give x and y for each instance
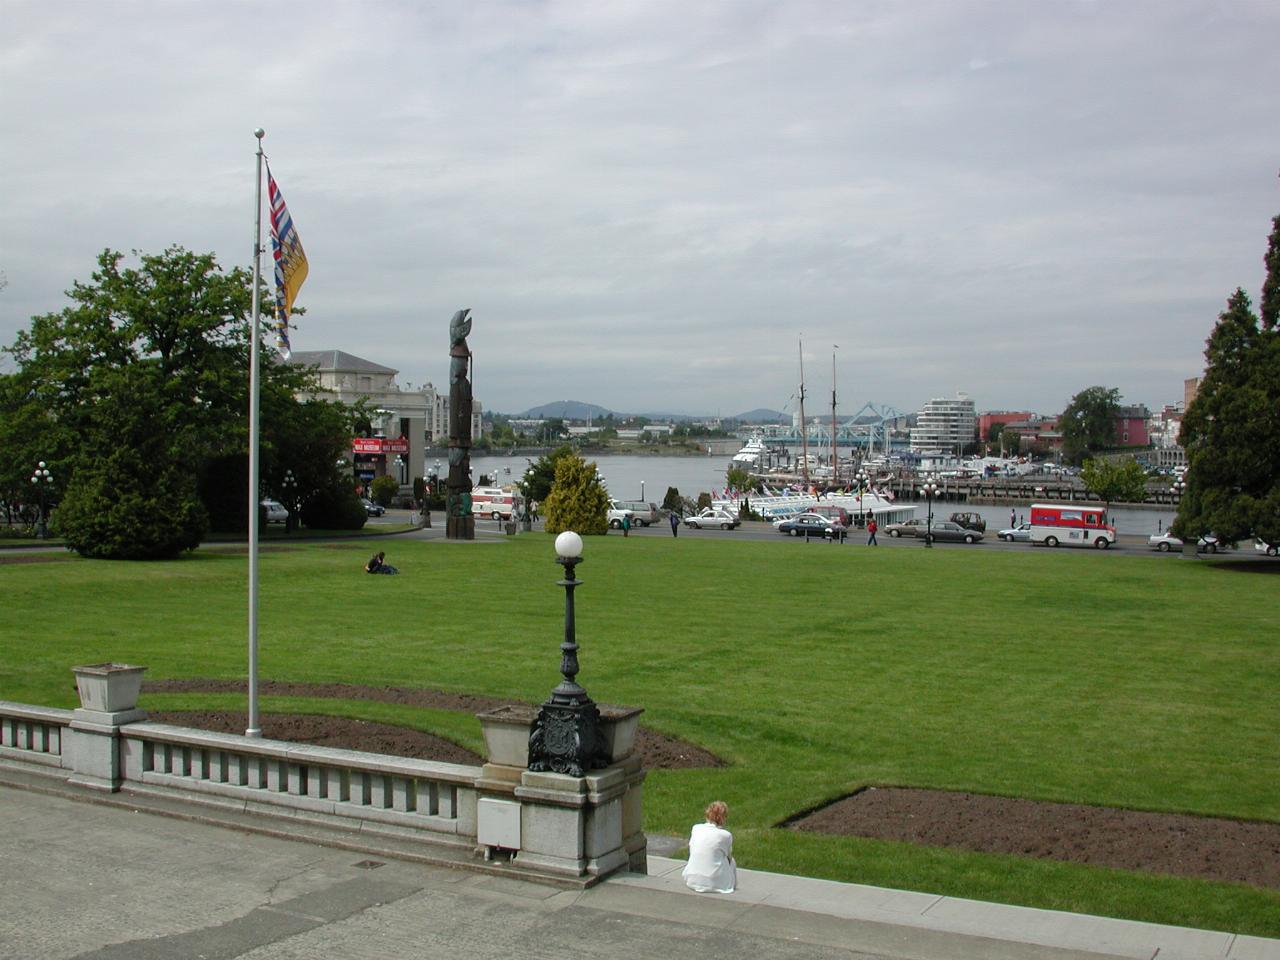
(120, 507)
(224, 490)
(334, 509)
(384, 489)
(577, 501)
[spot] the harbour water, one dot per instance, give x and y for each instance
(647, 478)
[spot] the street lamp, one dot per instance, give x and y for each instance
(290, 486)
(41, 479)
(400, 479)
(929, 488)
(566, 737)
(641, 491)
(861, 477)
(435, 479)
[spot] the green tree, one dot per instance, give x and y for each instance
(541, 475)
(577, 501)
(1269, 306)
(171, 332)
(1089, 422)
(131, 498)
(384, 489)
(1231, 433)
(673, 500)
(1124, 481)
(738, 479)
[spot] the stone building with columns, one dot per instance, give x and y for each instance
(405, 421)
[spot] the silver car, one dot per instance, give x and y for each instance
(711, 517)
(1019, 534)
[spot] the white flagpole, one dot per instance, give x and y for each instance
(253, 729)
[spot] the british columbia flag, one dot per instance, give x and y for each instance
(290, 261)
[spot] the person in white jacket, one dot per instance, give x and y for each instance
(711, 868)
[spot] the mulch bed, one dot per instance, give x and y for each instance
(1206, 847)
(657, 751)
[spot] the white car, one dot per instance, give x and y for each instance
(276, 512)
(1019, 534)
(711, 517)
(1270, 549)
(1164, 542)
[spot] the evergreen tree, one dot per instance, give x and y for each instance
(1231, 433)
(1269, 306)
(577, 501)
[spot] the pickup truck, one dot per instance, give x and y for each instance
(970, 521)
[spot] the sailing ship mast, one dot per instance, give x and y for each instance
(835, 460)
(804, 427)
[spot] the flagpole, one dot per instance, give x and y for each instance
(253, 730)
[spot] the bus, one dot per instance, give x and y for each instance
(1073, 524)
(496, 503)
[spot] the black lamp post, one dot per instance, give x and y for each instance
(861, 477)
(290, 487)
(929, 488)
(41, 479)
(566, 737)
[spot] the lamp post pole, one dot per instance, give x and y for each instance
(1190, 544)
(861, 478)
(290, 487)
(566, 737)
(40, 479)
(929, 488)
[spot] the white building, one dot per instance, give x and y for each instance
(405, 421)
(945, 425)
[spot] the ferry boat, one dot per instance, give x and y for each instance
(752, 454)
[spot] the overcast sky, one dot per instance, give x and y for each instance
(648, 204)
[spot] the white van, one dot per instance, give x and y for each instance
(641, 512)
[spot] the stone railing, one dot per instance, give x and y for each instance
(542, 824)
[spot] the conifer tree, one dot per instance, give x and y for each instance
(577, 501)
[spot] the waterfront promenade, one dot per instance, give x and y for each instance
(104, 881)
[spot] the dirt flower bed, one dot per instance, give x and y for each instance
(1206, 847)
(657, 751)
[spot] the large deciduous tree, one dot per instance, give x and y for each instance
(1089, 422)
(1231, 431)
(139, 388)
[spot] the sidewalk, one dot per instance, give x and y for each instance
(98, 882)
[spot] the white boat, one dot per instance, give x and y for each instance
(751, 455)
(789, 503)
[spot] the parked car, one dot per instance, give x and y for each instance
(832, 512)
(813, 525)
(372, 509)
(942, 530)
(970, 521)
(1164, 542)
(276, 512)
(641, 512)
(616, 515)
(907, 528)
(1019, 534)
(711, 517)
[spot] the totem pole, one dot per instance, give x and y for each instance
(459, 523)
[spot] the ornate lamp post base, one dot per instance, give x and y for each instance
(566, 738)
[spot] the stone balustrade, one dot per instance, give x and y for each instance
(579, 828)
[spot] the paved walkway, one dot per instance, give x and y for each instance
(96, 882)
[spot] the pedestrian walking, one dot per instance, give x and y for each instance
(626, 524)
(1013, 517)
(871, 533)
(675, 523)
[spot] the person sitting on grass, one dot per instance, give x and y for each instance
(711, 868)
(378, 564)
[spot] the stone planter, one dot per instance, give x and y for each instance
(108, 687)
(619, 726)
(506, 733)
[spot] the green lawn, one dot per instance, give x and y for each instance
(813, 669)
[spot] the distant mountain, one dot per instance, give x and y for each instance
(763, 415)
(564, 410)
